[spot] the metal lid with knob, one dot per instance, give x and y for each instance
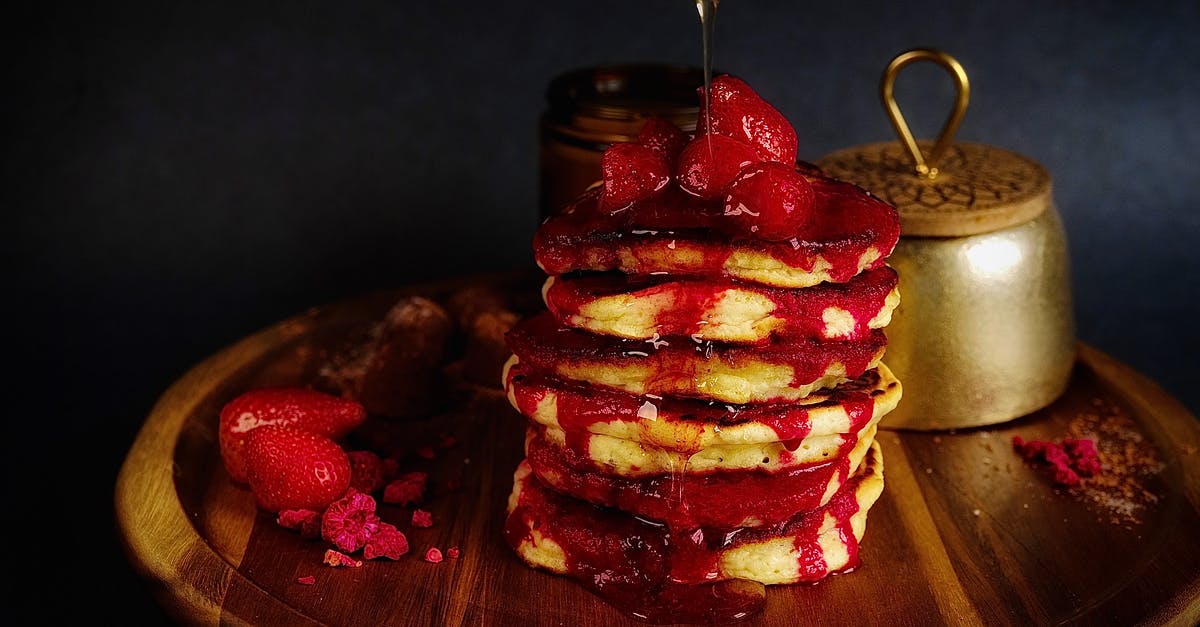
(985, 329)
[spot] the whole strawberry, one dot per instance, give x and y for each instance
(631, 172)
(709, 164)
(298, 408)
(737, 111)
(290, 469)
(769, 201)
(663, 139)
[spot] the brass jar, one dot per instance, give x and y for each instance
(985, 329)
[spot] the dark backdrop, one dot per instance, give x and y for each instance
(177, 176)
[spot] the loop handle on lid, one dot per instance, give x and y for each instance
(922, 165)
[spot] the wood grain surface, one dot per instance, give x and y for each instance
(965, 533)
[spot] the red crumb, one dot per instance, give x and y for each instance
(335, 559)
(406, 489)
(306, 521)
(1084, 458)
(449, 441)
(426, 452)
(433, 556)
(387, 542)
(1067, 461)
(452, 552)
(422, 518)
(391, 466)
(350, 521)
(453, 485)
(366, 471)
(306, 580)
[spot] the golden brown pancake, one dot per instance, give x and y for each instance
(568, 536)
(676, 233)
(645, 308)
(775, 372)
(689, 425)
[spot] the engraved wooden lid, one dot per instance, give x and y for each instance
(978, 187)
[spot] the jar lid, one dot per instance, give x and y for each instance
(626, 92)
(978, 188)
(943, 189)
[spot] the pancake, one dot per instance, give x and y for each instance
(679, 234)
(646, 308)
(568, 536)
(630, 458)
(689, 425)
(743, 498)
(776, 372)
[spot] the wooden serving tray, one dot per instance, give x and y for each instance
(965, 533)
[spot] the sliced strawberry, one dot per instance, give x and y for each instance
(737, 111)
(709, 164)
(290, 469)
(298, 408)
(771, 201)
(631, 172)
(664, 139)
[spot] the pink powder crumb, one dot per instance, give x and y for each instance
(449, 441)
(335, 559)
(452, 552)
(1067, 461)
(387, 542)
(426, 452)
(306, 521)
(422, 518)
(433, 556)
(406, 489)
(306, 580)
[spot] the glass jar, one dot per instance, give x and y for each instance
(590, 108)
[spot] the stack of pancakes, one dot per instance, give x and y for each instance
(700, 408)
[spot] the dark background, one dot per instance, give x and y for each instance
(179, 176)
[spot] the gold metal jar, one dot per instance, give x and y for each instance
(590, 108)
(985, 329)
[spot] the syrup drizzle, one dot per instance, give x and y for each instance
(708, 25)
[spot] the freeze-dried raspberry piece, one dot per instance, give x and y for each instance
(406, 489)
(433, 556)
(452, 552)
(306, 521)
(422, 518)
(350, 521)
(366, 471)
(391, 466)
(335, 559)
(388, 541)
(1084, 458)
(306, 580)
(1051, 454)
(426, 452)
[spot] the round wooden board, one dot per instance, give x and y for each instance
(964, 532)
